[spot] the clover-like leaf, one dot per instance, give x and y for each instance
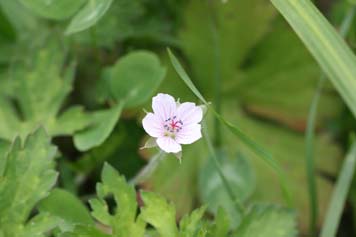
(268, 221)
(26, 177)
(241, 178)
(134, 77)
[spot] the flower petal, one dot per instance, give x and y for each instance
(189, 113)
(164, 106)
(168, 145)
(189, 134)
(153, 125)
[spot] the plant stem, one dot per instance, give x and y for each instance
(238, 206)
(339, 196)
(217, 75)
(310, 134)
(147, 171)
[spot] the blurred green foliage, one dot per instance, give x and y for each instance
(85, 70)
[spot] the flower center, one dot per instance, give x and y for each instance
(172, 126)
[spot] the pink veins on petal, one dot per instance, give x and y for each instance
(173, 124)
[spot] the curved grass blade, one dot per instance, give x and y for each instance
(257, 149)
(310, 134)
(338, 199)
(325, 44)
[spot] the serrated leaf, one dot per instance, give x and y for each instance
(27, 178)
(123, 222)
(268, 221)
(88, 16)
(103, 122)
(39, 89)
(221, 225)
(240, 176)
(160, 214)
(62, 204)
(134, 78)
(192, 224)
(54, 9)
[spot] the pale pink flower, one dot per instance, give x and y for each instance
(172, 123)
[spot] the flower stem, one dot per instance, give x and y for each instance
(147, 171)
(238, 205)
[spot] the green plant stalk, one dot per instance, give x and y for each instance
(339, 196)
(238, 206)
(310, 134)
(147, 171)
(309, 157)
(217, 78)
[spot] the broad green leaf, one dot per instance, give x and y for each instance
(329, 49)
(40, 89)
(134, 77)
(240, 176)
(288, 149)
(102, 125)
(283, 94)
(88, 16)
(54, 9)
(26, 179)
(62, 204)
(160, 214)
(226, 29)
(268, 221)
(343, 184)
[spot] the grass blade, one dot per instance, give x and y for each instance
(336, 206)
(325, 44)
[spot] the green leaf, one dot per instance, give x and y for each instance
(40, 89)
(62, 204)
(54, 9)
(240, 176)
(329, 49)
(27, 178)
(88, 16)
(7, 32)
(160, 214)
(221, 224)
(226, 29)
(123, 222)
(268, 221)
(191, 225)
(84, 231)
(333, 216)
(103, 124)
(134, 77)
